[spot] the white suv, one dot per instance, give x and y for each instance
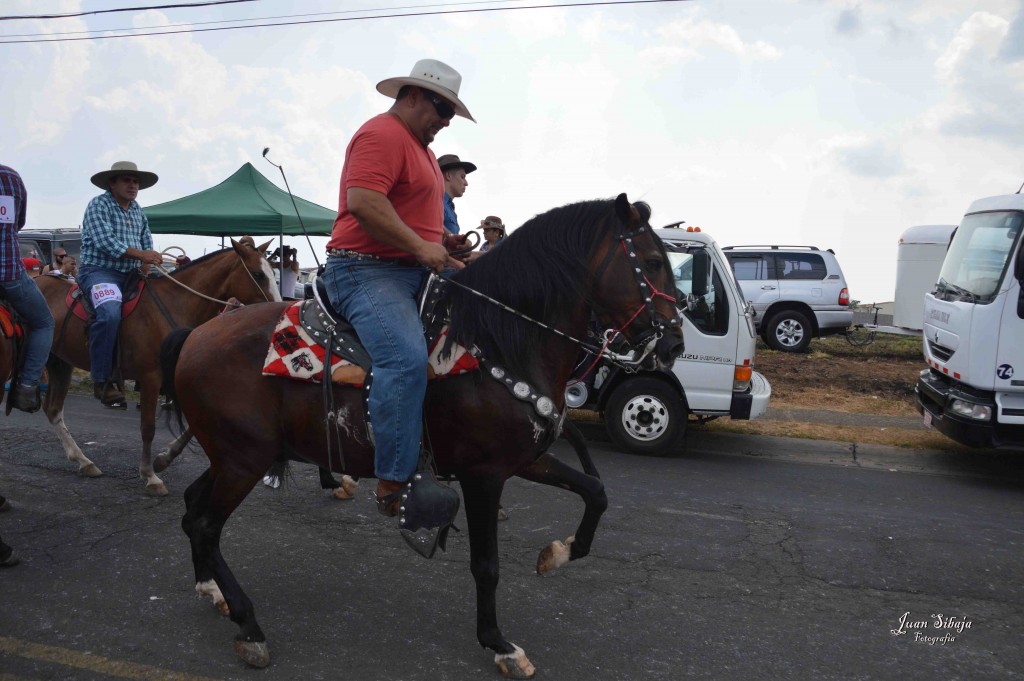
(798, 292)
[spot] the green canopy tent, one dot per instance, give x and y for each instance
(245, 203)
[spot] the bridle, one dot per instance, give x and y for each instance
(614, 339)
(611, 343)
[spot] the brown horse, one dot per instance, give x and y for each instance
(8, 351)
(188, 296)
(8, 360)
(596, 257)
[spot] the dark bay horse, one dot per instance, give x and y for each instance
(189, 296)
(596, 257)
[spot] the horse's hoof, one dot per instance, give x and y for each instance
(157, 489)
(90, 471)
(161, 462)
(222, 608)
(341, 495)
(554, 555)
(515, 665)
(502, 515)
(349, 485)
(252, 653)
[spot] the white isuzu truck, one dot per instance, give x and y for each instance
(973, 390)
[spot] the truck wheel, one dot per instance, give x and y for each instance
(646, 416)
(788, 331)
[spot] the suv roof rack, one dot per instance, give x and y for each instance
(774, 247)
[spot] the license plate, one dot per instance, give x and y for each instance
(927, 418)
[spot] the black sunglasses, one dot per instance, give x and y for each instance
(443, 108)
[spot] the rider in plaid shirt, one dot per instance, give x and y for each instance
(21, 292)
(115, 241)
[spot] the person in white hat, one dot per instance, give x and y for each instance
(115, 240)
(388, 235)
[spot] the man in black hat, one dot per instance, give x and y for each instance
(455, 184)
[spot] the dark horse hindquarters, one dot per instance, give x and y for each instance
(478, 430)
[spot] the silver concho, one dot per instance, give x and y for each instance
(521, 390)
(498, 372)
(545, 406)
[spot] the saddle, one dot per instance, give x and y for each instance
(298, 347)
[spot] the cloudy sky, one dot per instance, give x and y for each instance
(835, 123)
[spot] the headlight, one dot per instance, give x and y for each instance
(970, 410)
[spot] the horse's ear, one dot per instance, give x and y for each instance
(623, 209)
(263, 247)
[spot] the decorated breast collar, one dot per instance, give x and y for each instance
(521, 390)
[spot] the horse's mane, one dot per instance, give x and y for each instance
(540, 270)
(202, 258)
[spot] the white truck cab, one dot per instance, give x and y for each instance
(646, 412)
(973, 390)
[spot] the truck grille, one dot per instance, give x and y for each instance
(940, 351)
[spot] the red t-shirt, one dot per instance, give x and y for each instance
(385, 156)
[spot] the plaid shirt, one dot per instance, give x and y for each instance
(11, 266)
(108, 231)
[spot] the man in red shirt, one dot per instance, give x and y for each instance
(387, 237)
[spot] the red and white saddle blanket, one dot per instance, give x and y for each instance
(294, 354)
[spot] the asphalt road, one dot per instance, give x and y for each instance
(742, 558)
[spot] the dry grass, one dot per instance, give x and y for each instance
(889, 437)
(876, 380)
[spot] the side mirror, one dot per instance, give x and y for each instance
(1018, 265)
(701, 272)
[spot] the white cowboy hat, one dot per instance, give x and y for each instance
(146, 179)
(432, 75)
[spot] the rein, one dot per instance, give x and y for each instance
(185, 286)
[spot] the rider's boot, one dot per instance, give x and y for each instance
(25, 397)
(108, 393)
(7, 555)
(389, 497)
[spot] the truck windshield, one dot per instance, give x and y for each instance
(709, 312)
(978, 257)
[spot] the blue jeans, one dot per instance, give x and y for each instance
(28, 301)
(379, 299)
(103, 331)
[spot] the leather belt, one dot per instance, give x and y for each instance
(356, 255)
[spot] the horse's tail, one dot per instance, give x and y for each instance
(170, 349)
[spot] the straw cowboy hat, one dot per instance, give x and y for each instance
(146, 179)
(432, 75)
(452, 161)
